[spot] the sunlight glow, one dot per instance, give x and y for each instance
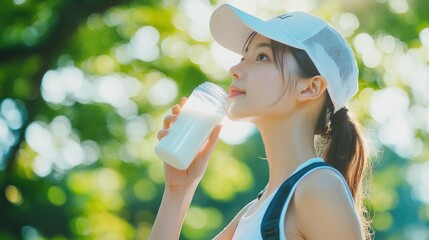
(388, 103)
(198, 12)
(224, 57)
(67, 85)
(18, 2)
(388, 44)
(108, 179)
(365, 46)
(136, 128)
(64, 83)
(57, 146)
(7, 137)
(198, 54)
(145, 44)
(163, 92)
(348, 23)
(424, 37)
(91, 150)
(418, 177)
(111, 90)
(174, 47)
(389, 108)
(11, 114)
(129, 110)
(399, 6)
(236, 132)
(4, 130)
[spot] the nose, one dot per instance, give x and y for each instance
(236, 72)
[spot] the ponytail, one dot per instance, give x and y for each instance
(345, 151)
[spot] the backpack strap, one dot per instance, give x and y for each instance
(270, 223)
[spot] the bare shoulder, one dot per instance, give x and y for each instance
(323, 207)
(322, 184)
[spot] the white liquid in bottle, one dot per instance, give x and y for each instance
(202, 112)
(190, 132)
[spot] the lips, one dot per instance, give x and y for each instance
(234, 91)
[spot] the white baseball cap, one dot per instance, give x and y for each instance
(328, 50)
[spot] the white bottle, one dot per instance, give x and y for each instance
(202, 112)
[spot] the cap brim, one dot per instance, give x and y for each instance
(231, 27)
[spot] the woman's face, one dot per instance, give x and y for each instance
(257, 84)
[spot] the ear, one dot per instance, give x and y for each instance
(311, 88)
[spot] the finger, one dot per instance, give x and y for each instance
(168, 120)
(182, 101)
(176, 109)
(162, 133)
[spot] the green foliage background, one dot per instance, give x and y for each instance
(80, 108)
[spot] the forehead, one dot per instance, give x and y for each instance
(257, 39)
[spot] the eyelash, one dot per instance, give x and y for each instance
(258, 57)
(262, 55)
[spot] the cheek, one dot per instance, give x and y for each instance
(263, 90)
(267, 89)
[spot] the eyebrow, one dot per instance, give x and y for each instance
(260, 45)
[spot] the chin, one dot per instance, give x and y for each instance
(233, 115)
(238, 116)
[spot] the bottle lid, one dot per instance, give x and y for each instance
(216, 92)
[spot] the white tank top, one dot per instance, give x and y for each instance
(249, 227)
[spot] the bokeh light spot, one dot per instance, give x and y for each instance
(196, 217)
(144, 44)
(424, 37)
(30, 233)
(399, 6)
(56, 196)
(18, 2)
(136, 128)
(163, 92)
(418, 177)
(382, 221)
(104, 64)
(348, 23)
(9, 110)
(108, 179)
(13, 195)
(144, 190)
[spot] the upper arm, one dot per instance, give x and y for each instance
(323, 208)
(228, 231)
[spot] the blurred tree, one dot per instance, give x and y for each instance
(85, 85)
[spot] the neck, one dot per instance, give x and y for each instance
(288, 143)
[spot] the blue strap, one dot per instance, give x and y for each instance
(270, 223)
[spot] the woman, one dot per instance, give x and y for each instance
(295, 77)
